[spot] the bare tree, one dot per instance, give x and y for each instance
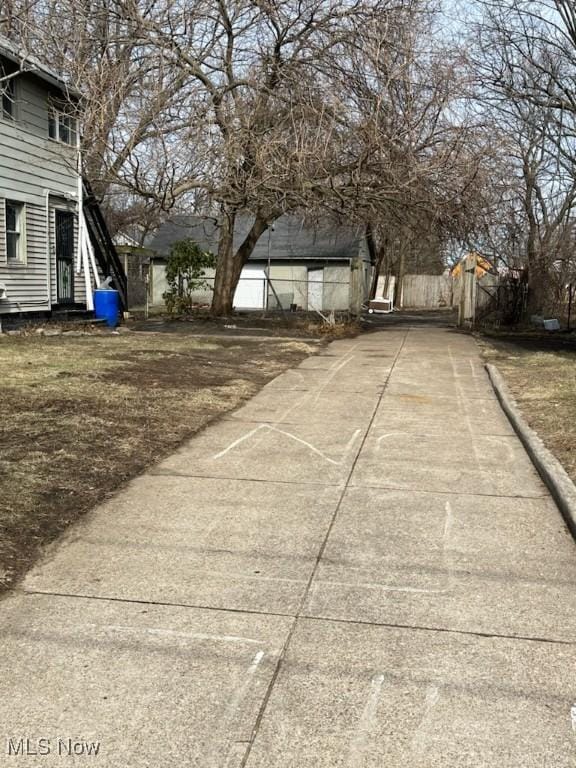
(420, 151)
(524, 55)
(535, 43)
(15, 16)
(239, 106)
(259, 131)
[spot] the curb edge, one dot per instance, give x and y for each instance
(550, 469)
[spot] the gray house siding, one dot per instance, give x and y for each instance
(26, 283)
(32, 167)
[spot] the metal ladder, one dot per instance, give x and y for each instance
(106, 257)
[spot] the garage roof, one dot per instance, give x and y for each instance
(291, 238)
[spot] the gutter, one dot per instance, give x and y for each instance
(31, 65)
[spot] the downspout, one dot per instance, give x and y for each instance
(80, 198)
(48, 250)
(83, 253)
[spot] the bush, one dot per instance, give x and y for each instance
(185, 273)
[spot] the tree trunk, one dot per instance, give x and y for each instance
(400, 278)
(224, 285)
(538, 277)
(375, 260)
(229, 263)
(377, 253)
(539, 288)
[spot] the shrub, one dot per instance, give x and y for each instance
(185, 273)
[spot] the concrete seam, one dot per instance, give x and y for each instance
(306, 617)
(141, 601)
(450, 493)
(447, 630)
(313, 484)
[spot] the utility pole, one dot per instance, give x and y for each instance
(268, 283)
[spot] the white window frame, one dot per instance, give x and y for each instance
(56, 119)
(20, 231)
(8, 90)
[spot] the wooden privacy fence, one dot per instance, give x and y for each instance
(426, 291)
(475, 291)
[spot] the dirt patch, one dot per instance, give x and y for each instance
(302, 325)
(543, 383)
(416, 398)
(81, 416)
(532, 339)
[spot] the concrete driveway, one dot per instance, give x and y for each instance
(359, 568)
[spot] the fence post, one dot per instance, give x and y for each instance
(356, 287)
(467, 305)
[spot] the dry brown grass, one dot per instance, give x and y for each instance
(544, 386)
(293, 324)
(80, 416)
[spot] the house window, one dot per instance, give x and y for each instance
(14, 232)
(62, 127)
(8, 89)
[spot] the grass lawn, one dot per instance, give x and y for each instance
(82, 415)
(543, 383)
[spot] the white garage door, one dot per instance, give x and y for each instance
(251, 289)
(315, 289)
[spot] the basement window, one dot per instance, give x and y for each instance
(15, 232)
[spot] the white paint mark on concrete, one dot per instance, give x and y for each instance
(313, 396)
(230, 724)
(463, 406)
(446, 536)
(255, 662)
(386, 436)
(448, 523)
(383, 587)
(240, 440)
(306, 443)
(239, 695)
(171, 633)
(432, 696)
(349, 445)
(272, 428)
(420, 737)
(347, 358)
(345, 361)
(333, 370)
(366, 724)
(573, 716)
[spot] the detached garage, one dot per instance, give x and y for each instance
(295, 264)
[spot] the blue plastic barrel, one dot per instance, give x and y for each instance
(107, 306)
